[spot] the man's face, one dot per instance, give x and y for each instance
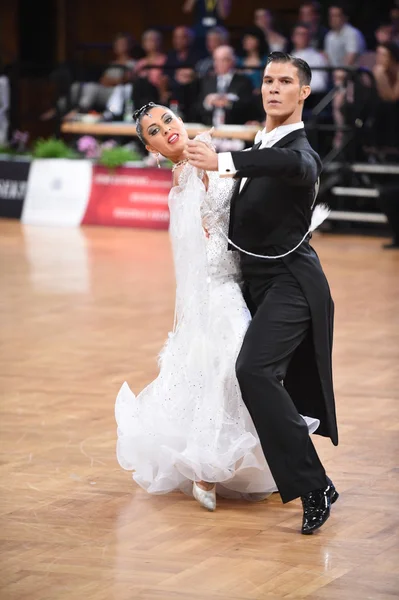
(282, 92)
(336, 18)
(213, 41)
(300, 38)
(223, 60)
(181, 38)
(307, 14)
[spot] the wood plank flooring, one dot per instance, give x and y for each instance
(81, 311)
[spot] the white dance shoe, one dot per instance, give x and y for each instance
(207, 498)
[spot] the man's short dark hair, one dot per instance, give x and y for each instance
(304, 72)
(315, 5)
(342, 6)
(302, 25)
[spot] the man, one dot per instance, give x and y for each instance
(343, 44)
(309, 14)
(284, 367)
(226, 97)
(183, 53)
(218, 36)
(302, 49)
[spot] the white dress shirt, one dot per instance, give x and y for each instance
(226, 166)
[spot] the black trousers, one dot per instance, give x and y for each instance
(281, 320)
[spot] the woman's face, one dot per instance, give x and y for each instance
(151, 41)
(121, 46)
(383, 57)
(164, 132)
(250, 43)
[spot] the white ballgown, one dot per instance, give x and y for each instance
(190, 423)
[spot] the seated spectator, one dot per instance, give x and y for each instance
(344, 43)
(114, 74)
(183, 93)
(275, 41)
(309, 14)
(146, 84)
(183, 53)
(302, 49)
(383, 35)
(91, 95)
(218, 36)
(386, 75)
(207, 15)
(225, 97)
(254, 55)
(386, 72)
(152, 46)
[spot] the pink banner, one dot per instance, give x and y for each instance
(129, 197)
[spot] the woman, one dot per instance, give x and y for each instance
(386, 126)
(254, 55)
(152, 45)
(386, 75)
(189, 429)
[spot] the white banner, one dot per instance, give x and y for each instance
(58, 192)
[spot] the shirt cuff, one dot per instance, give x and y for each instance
(226, 166)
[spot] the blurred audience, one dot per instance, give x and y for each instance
(215, 37)
(226, 97)
(214, 87)
(122, 48)
(309, 14)
(89, 95)
(254, 54)
(275, 41)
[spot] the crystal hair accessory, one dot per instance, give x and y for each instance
(140, 111)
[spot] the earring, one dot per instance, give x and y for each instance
(158, 163)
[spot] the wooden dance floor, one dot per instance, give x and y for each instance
(84, 309)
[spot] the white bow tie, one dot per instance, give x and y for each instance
(259, 137)
(264, 138)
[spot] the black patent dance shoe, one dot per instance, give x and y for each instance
(317, 507)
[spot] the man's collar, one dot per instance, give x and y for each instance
(277, 133)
